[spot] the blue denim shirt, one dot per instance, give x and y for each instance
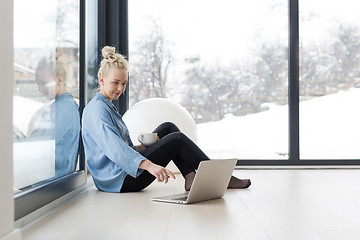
(67, 134)
(60, 121)
(108, 148)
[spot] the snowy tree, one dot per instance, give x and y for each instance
(346, 49)
(237, 89)
(327, 68)
(208, 88)
(271, 71)
(150, 64)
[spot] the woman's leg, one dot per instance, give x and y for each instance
(165, 129)
(182, 150)
(132, 184)
(174, 146)
(189, 174)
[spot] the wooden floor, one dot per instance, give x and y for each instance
(281, 204)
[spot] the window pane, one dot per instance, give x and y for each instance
(46, 117)
(92, 48)
(225, 62)
(329, 79)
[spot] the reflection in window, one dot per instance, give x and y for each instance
(92, 48)
(46, 116)
(329, 79)
(226, 63)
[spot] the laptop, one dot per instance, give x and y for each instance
(210, 182)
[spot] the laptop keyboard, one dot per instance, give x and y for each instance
(181, 198)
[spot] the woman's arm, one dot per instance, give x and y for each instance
(162, 174)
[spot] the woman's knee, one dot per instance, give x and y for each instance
(172, 140)
(171, 126)
(166, 128)
(179, 136)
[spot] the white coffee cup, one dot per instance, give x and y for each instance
(147, 138)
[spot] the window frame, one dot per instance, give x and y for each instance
(45, 192)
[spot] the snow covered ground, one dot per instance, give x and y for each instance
(34, 161)
(23, 110)
(329, 129)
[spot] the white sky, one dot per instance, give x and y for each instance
(207, 27)
(232, 29)
(35, 23)
(326, 15)
(198, 26)
(32, 23)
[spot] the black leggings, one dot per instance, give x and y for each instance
(173, 145)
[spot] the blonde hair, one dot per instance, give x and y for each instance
(54, 68)
(111, 59)
(59, 66)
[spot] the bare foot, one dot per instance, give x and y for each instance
(189, 178)
(238, 183)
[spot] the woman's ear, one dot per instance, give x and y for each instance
(59, 80)
(101, 80)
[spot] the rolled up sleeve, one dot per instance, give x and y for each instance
(118, 151)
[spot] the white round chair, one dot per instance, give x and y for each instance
(146, 115)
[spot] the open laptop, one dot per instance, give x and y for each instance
(210, 182)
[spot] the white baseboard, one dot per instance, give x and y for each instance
(31, 218)
(14, 235)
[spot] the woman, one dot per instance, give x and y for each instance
(115, 163)
(61, 119)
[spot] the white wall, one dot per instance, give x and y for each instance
(6, 169)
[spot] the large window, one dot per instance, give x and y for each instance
(254, 92)
(329, 79)
(225, 62)
(46, 92)
(46, 116)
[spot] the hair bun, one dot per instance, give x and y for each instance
(108, 52)
(111, 59)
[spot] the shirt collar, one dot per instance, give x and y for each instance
(105, 100)
(63, 96)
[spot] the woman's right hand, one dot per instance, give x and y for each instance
(162, 174)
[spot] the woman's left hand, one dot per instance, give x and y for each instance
(140, 147)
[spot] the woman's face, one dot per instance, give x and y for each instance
(113, 84)
(46, 82)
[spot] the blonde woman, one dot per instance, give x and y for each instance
(115, 163)
(59, 120)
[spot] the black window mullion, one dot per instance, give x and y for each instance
(113, 31)
(294, 153)
(82, 74)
